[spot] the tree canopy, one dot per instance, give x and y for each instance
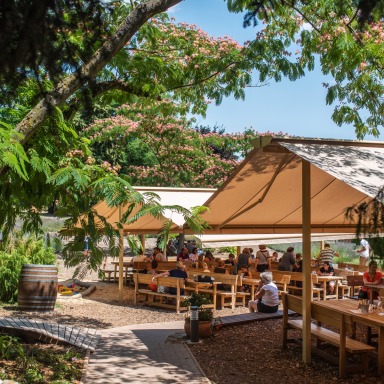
(349, 50)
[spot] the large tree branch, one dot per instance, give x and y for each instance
(68, 86)
(98, 88)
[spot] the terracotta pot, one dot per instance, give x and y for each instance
(205, 329)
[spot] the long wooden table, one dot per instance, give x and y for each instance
(326, 279)
(374, 288)
(371, 320)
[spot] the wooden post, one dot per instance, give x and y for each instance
(238, 251)
(121, 259)
(307, 278)
(142, 241)
(322, 242)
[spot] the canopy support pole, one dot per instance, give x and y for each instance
(121, 259)
(238, 250)
(322, 242)
(307, 278)
(142, 241)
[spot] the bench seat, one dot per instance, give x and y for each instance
(351, 346)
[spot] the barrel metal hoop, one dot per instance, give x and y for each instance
(40, 280)
(36, 297)
(39, 265)
(37, 270)
(52, 276)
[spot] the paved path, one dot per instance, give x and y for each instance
(52, 332)
(138, 354)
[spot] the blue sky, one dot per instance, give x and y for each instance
(295, 107)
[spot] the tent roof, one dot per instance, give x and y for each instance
(217, 241)
(264, 194)
(185, 197)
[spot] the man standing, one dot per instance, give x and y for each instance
(327, 254)
(363, 251)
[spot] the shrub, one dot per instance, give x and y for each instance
(21, 251)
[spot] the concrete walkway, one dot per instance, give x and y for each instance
(138, 354)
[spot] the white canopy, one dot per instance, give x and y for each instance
(217, 241)
(184, 197)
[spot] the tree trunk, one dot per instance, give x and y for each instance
(181, 242)
(68, 86)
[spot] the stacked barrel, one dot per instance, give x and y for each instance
(37, 288)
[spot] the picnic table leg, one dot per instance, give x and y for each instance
(252, 292)
(214, 296)
(136, 289)
(381, 351)
(178, 297)
(369, 335)
(233, 299)
(342, 349)
(337, 290)
(114, 276)
(325, 291)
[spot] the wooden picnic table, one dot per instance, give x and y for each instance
(326, 279)
(374, 288)
(126, 265)
(371, 320)
(196, 285)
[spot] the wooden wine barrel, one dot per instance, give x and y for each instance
(37, 287)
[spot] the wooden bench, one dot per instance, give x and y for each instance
(169, 282)
(334, 319)
(107, 272)
(295, 276)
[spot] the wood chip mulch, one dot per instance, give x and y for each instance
(251, 353)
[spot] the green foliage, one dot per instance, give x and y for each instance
(196, 300)
(349, 51)
(10, 347)
(17, 252)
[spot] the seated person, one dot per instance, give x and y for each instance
(296, 265)
(327, 270)
(251, 253)
(231, 259)
(372, 277)
(183, 255)
(220, 268)
(287, 260)
(275, 256)
(194, 255)
(266, 297)
(153, 271)
(208, 256)
(246, 273)
(157, 255)
(200, 264)
(299, 269)
(139, 258)
(178, 272)
(189, 246)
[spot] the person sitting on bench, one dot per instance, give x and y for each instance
(266, 297)
(178, 272)
(327, 270)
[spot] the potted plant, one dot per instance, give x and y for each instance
(205, 314)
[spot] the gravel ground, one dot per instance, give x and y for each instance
(102, 309)
(251, 353)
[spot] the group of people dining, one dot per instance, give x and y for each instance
(266, 297)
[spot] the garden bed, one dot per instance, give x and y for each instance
(251, 353)
(40, 363)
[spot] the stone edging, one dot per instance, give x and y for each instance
(85, 367)
(198, 365)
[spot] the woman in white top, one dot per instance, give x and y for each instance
(194, 256)
(266, 297)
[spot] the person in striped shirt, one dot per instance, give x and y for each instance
(327, 254)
